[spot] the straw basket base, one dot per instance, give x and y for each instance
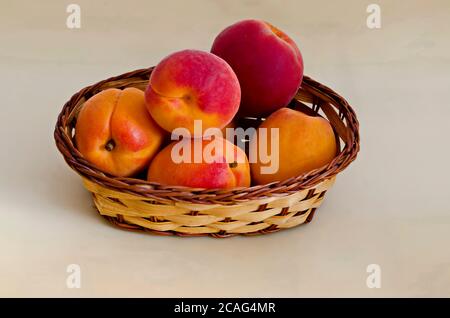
(138, 204)
(262, 216)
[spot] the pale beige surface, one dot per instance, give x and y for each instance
(391, 207)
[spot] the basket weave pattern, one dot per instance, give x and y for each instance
(137, 204)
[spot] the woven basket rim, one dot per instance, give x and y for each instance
(163, 193)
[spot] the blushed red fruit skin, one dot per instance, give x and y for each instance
(120, 116)
(267, 62)
(215, 175)
(192, 85)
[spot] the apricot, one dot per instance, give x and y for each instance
(232, 124)
(115, 132)
(304, 143)
(209, 164)
(267, 62)
(192, 85)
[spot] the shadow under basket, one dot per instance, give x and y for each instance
(136, 204)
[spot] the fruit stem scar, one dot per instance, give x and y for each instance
(110, 145)
(278, 33)
(233, 164)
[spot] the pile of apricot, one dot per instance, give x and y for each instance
(172, 131)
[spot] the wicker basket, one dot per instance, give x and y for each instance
(135, 204)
